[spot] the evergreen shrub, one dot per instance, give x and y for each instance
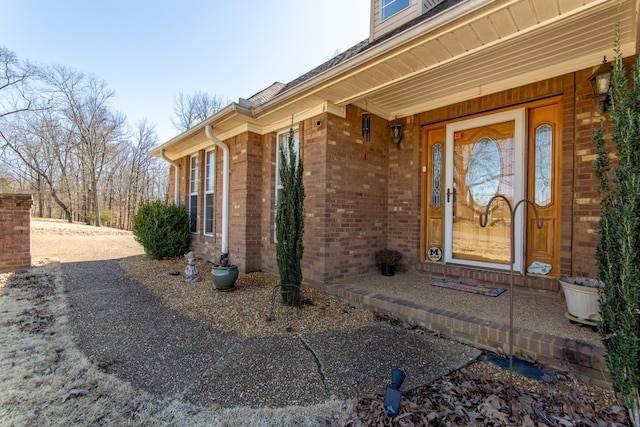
(290, 223)
(617, 169)
(162, 229)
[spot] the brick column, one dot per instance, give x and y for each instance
(15, 240)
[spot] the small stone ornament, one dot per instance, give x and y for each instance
(190, 271)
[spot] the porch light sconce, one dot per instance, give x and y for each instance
(396, 131)
(366, 126)
(600, 82)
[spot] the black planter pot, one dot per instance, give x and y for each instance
(388, 269)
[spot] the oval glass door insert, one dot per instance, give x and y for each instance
(483, 175)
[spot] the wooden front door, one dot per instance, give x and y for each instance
(516, 154)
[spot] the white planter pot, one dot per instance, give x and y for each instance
(582, 301)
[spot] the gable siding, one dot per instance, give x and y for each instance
(379, 28)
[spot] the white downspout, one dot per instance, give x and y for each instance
(225, 189)
(176, 175)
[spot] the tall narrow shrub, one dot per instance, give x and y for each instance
(290, 223)
(618, 249)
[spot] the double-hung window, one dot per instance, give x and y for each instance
(391, 7)
(209, 185)
(193, 194)
(282, 144)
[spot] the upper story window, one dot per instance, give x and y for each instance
(391, 7)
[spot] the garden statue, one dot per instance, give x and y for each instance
(190, 271)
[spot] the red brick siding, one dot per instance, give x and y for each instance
(354, 213)
(244, 205)
(15, 229)
(267, 204)
(404, 199)
(366, 195)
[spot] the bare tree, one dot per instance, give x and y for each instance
(60, 140)
(129, 176)
(38, 140)
(14, 78)
(84, 104)
(192, 109)
(14, 99)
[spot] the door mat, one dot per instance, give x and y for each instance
(474, 288)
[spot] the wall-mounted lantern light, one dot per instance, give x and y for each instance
(396, 131)
(366, 125)
(600, 82)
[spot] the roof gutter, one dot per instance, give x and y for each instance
(176, 181)
(225, 189)
(218, 117)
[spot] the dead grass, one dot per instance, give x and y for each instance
(46, 381)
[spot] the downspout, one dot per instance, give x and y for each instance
(176, 175)
(225, 190)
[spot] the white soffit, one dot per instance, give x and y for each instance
(492, 46)
(512, 44)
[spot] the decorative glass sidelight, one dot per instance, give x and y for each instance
(436, 175)
(543, 168)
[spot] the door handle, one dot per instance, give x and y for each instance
(449, 193)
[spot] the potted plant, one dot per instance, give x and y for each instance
(581, 296)
(224, 275)
(387, 259)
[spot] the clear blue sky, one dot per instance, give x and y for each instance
(148, 51)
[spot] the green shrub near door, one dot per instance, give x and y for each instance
(162, 229)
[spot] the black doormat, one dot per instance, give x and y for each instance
(474, 288)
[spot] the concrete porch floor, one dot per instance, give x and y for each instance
(541, 331)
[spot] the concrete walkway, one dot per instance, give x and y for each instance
(541, 331)
(119, 323)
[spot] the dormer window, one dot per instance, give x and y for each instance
(391, 7)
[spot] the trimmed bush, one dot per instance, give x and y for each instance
(162, 229)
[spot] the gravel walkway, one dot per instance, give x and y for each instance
(122, 326)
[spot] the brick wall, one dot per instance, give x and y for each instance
(354, 215)
(404, 198)
(586, 207)
(245, 204)
(267, 204)
(363, 196)
(15, 240)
